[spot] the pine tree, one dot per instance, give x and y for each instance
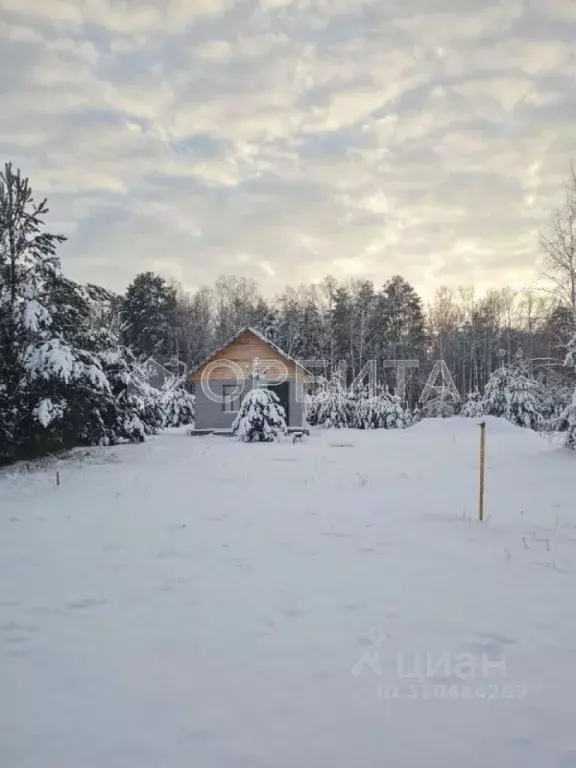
(380, 411)
(391, 413)
(398, 324)
(366, 412)
(28, 261)
(133, 413)
(513, 394)
(260, 418)
(311, 409)
(178, 405)
(334, 407)
(442, 405)
(68, 391)
(148, 313)
(473, 408)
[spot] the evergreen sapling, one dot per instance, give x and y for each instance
(261, 418)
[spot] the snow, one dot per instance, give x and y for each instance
(198, 601)
(58, 359)
(48, 411)
(52, 358)
(34, 315)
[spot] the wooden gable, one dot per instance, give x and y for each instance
(242, 351)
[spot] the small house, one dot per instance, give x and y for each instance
(221, 381)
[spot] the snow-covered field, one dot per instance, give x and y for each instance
(202, 602)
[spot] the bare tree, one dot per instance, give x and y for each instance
(559, 249)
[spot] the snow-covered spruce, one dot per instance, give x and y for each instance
(381, 412)
(392, 414)
(473, 408)
(136, 412)
(68, 394)
(442, 405)
(178, 405)
(261, 418)
(514, 395)
(311, 404)
(333, 408)
(366, 413)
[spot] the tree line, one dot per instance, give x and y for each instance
(357, 321)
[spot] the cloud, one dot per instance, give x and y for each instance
(284, 139)
(134, 17)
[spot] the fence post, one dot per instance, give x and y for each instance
(482, 468)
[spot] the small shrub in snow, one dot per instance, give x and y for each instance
(473, 408)
(260, 418)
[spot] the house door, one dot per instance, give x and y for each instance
(283, 393)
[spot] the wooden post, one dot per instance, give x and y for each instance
(482, 467)
(57, 478)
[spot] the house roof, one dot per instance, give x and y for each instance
(264, 339)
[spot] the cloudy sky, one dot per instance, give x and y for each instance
(287, 139)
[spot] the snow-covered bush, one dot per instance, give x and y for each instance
(333, 408)
(473, 408)
(178, 405)
(311, 405)
(442, 405)
(514, 395)
(260, 418)
(567, 420)
(567, 424)
(366, 413)
(381, 411)
(392, 414)
(556, 393)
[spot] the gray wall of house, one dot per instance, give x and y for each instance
(209, 414)
(296, 405)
